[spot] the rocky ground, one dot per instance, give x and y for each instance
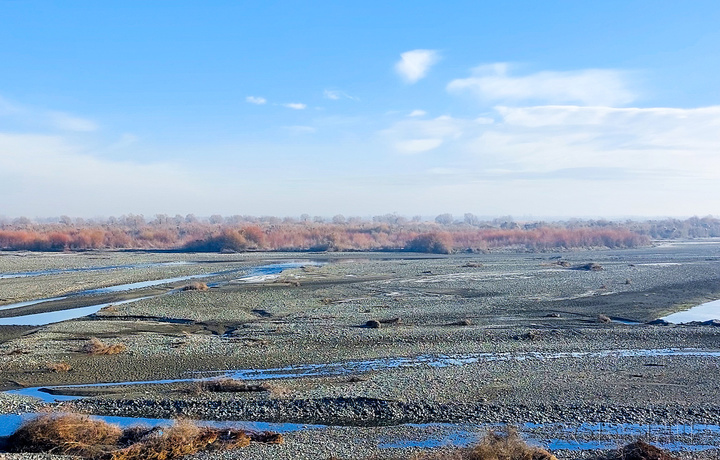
(468, 339)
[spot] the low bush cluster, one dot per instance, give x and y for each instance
(96, 346)
(80, 435)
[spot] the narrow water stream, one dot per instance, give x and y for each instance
(379, 364)
(258, 274)
(553, 436)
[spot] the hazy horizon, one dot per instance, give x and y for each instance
(547, 111)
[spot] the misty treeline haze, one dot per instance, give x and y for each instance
(444, 234)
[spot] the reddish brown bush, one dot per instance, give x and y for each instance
(435, 243)
(243, 234)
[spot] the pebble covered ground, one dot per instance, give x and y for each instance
(534, 320)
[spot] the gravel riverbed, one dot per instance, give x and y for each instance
(548, 354)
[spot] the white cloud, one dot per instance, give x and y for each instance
(414, 65)
(493, 83)
(336, 95)
(44, 119)
(417, 136)
(417, 113)
(295, 105)
(668, 141)
(256, 100)
(46, 175)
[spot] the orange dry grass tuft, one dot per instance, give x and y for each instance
(97, 347)
(184, 438)
(93, 439)
(59, 367)
(495, 446)
(195, 286)
(66, 434)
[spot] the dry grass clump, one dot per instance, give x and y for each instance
(17, 351)
(495, 446)
(228, 385)
(604, 319)
(80, 435)
(65, 434)
(97, 347)
(640, 450)
(195, 286)
(590, 267)
(462, 322)
(61, 366)
(507, 446)
(183, 438)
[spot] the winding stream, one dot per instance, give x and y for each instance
(364, 366)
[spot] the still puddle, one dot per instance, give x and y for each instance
(376, 365)
(704, 312)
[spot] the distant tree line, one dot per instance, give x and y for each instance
(391, 232)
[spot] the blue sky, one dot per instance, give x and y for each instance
(522, 107)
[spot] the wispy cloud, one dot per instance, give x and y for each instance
(336, 95)
(256, 100)
(493, 83)
(417, 136)
(417, 113)
(44, 119)
(414, 65)
(295, 105)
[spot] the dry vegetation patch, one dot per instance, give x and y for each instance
(96, 346)
(61, 366)
(195, 286)
(80, 435)
(495, 446)
(640, 450)
(65, 434)
(232, 386)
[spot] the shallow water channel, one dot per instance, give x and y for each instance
(704, 312)
(370, 365)
(553, 436)
(255, 275)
